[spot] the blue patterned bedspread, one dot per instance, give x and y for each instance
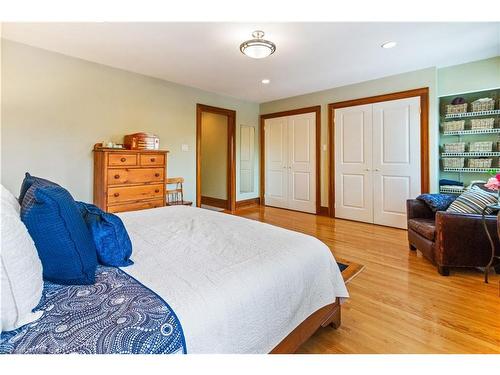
(115, 315)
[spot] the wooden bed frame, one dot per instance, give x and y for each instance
(328, 315)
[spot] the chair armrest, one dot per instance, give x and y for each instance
(461, 239)
(416, 209)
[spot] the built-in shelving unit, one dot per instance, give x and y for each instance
(468, 135)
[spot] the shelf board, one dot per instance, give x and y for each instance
(473, 114)
(451, 190)
(472, 132)
(471, 170)
(469, 154)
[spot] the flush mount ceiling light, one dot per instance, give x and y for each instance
(266, 81)
(257, 48)
(388, 45)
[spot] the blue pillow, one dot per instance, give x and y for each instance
(437, 202)
(28, 181)
(110, 236)
(62, 239)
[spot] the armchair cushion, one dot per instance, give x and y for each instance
(425, 227)
(437, 202)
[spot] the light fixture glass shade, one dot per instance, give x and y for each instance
(257, 48)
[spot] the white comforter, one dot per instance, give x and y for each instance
(236, 285)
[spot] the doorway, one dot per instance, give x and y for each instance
(215, 157)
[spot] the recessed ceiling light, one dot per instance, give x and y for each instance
(257, 48)
(388, 45)
(266, 81)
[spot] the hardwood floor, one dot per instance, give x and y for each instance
(399, 303)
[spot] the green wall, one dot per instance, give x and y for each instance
(400, 82)
(473, 76)
(56, 107)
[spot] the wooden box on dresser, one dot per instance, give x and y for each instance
(129, 180)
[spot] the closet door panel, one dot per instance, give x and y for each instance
(302, 162)
(396, 159)
(353, 163)
(353, 190)
(276, 154)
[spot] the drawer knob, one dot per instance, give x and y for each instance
(157, 190)
(116, 194)
(123, 160)
(117, 176)
(152, 159)
(157, 175)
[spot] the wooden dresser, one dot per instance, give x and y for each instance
(129, 180)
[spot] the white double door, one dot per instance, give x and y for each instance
(290, 162)
(377, 161)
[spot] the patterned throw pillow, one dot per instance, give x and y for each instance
(437, 202)
(473, 202)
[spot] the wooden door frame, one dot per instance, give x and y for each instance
(231, 152)
(423, 93)
(314, 109)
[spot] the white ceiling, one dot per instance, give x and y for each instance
(309, 56)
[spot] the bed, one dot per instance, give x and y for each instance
(237, 285)
(225, 285)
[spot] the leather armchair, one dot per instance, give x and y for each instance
(450, 239)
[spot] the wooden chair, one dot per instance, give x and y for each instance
(176, 196)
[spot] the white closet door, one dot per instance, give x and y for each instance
(276, 154)
(302, 162)
(353, 163)
(396, 159)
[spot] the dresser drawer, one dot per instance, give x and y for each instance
(135, 206)
(122, 159)
(152, 159)
(134, 193)
(135, 175)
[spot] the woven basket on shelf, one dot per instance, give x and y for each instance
(457, 108)
(483, 105)
(482, 123)
(452, 126)
(480, 163)
(453, 162)
(486, 146)
(454, 147)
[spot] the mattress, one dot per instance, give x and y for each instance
(236, 285)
